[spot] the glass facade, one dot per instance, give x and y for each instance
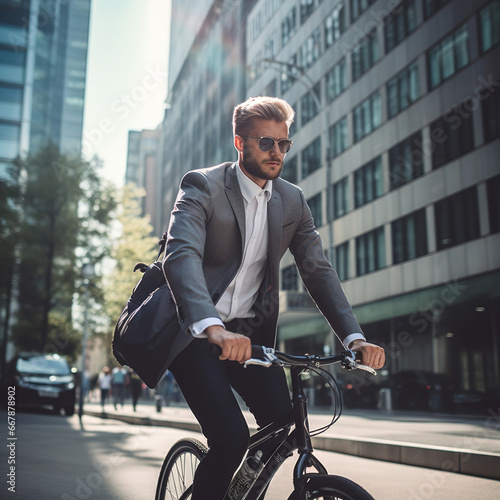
(55, 83)
(365, 55)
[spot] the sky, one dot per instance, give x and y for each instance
(126, 77)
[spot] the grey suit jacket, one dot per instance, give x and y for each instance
(205, 246)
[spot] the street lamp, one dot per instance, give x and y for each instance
(88, 273)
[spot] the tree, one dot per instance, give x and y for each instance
(9, 236)
(133, 244)
(66, 215)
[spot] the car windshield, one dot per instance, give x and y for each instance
(43, 365)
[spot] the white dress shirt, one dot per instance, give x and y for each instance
(240, 295)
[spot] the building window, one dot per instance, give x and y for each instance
(449, 56)
(339, 138)
(342, 261)
(367, 116)
(368, 182)
(311, 158)
(400, 25)
(287, 77)
(403, 90)
(493, 188)
(406, 161)
(307, 7)
(12, 66)
(490, 104)
(310, 50)
(294, 125)
(334, 25)
(489, 28)
(457, 219)
(309, 104)
(288, 26)
(315, 206)
(409, 237)
(370, 252)
(453, 134)
(9, 141)
(11, 100)
(358, 7)
(336, 81)
(365, 55)
(289, 278)
(338, 199)
(431, 6)
(289, 172)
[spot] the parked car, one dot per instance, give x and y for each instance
(420, 390)
(42, 380)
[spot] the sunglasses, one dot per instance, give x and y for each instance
(267, 143)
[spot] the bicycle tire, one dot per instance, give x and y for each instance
(177, 472)
(331, 488)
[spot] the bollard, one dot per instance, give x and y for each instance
(384, 399)
(158, 400)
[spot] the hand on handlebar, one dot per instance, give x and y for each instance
(370, 354)
(235, 347)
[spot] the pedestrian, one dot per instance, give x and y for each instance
(104, 381)
(119, 376)
(135, 387)
(230, 226)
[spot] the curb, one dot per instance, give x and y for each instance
(462, 461)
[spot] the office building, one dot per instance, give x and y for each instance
(397, 149)
(142, 170)
(43, 61)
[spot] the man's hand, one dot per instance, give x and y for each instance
(235, 347)
(370, 354)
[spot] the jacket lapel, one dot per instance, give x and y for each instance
(275, 224)
(235, 198)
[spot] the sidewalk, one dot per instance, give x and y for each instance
(464, 444)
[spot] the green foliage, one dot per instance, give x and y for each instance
(66, 215)
(133, 244)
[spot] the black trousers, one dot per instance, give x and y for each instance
(206, 383)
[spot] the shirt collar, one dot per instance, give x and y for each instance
(249, 189)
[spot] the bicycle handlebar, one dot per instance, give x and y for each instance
(266, 356)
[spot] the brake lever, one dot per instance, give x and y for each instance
(268, 358)
(350, 363)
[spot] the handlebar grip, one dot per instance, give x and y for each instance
(257, 351)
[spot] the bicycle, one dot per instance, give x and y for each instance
(270, 446)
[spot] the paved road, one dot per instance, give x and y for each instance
(112, 460)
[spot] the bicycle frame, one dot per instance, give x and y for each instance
(299, 439)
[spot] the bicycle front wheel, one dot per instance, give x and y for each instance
(331, 488)
(177, 472)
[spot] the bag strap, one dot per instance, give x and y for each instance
(140, 266)
(162, 243)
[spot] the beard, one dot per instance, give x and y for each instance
(258, 169)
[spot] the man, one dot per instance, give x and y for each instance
(230, 226)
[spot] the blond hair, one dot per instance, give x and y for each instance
(268, 108)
